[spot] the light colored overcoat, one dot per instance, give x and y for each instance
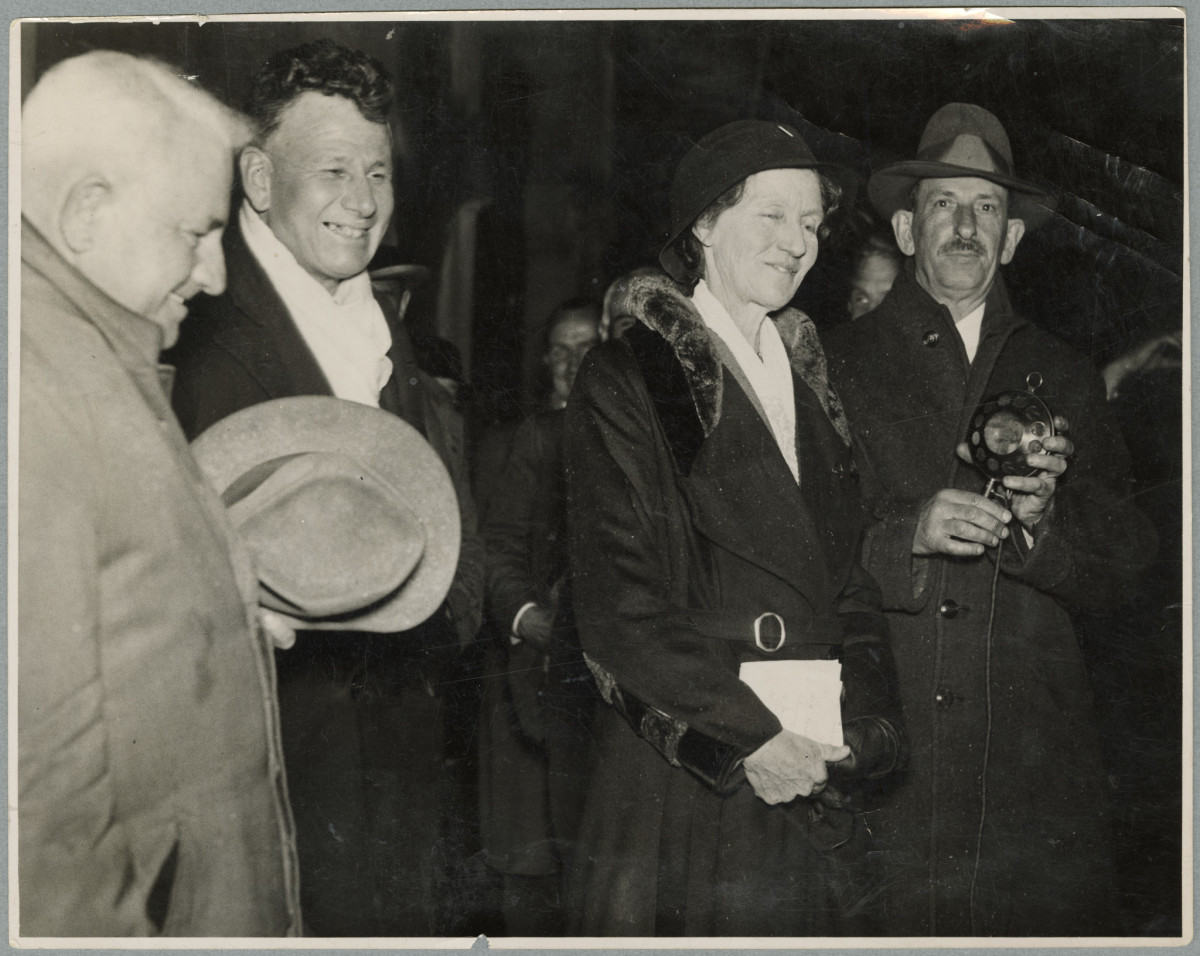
(151, 788)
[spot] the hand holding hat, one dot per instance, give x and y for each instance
(349, 515)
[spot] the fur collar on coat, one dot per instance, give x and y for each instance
(662, 306)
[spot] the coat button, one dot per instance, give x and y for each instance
(950, 609)
(845, 470)
(930, 339)
(943, 697)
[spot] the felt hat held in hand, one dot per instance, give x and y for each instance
(348, 513)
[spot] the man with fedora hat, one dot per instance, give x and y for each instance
(999, 826)
(362, 725)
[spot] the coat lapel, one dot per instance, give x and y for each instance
(729, 462)
(740, 471)
(401, 394)
(286, 366)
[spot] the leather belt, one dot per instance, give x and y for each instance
(766, 630)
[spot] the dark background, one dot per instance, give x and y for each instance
(533, 162)
(564, 136)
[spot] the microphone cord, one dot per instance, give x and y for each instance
(987, 680)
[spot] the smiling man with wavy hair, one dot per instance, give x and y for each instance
(299, 318)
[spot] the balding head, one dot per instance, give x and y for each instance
(126, 170)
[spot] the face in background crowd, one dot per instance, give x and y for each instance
(155, 238)
(960, 234)
(323, 183)
(873, 276)
(758, 251)
(569, 340)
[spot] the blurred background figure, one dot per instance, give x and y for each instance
(876, 264)
(1159, 352)
(616, 318)
(573, 328)
(439, 358)
(538, 696)
(1133, 651)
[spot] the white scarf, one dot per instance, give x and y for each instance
(346, 332)
(769, 376)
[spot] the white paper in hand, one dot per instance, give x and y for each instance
(806, 696)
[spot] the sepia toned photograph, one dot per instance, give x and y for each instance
(600, 478)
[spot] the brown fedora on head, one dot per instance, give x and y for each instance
(349, 514)
(960, 139)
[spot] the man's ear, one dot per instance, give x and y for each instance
(902, 227)
(80, 211)
(1012, 236)
(256, 170)
(703, 232)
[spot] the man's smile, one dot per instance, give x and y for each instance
(347, 232)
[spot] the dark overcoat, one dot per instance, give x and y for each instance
(537, 703)
(685, 525)
(1004, 799)
(340, 692)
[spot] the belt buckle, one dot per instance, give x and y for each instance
(758, 622)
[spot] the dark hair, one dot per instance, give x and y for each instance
(321, 67)
(878, 243)
(563, 309)
(691, 253)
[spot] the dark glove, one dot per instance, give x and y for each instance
(872, 721)
(877, 749)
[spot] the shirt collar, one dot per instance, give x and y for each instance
(969, 327)
(717, 318)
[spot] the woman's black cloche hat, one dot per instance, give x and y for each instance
(726, 156)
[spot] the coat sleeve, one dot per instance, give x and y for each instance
(76, 863)
(445, 431)
(1089, 547)
(872, 716)
(1093, 540)
(629, 548)
(509, 528)
(901, 577)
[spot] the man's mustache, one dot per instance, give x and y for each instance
(957, 245)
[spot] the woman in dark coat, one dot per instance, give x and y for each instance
(714, 520)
